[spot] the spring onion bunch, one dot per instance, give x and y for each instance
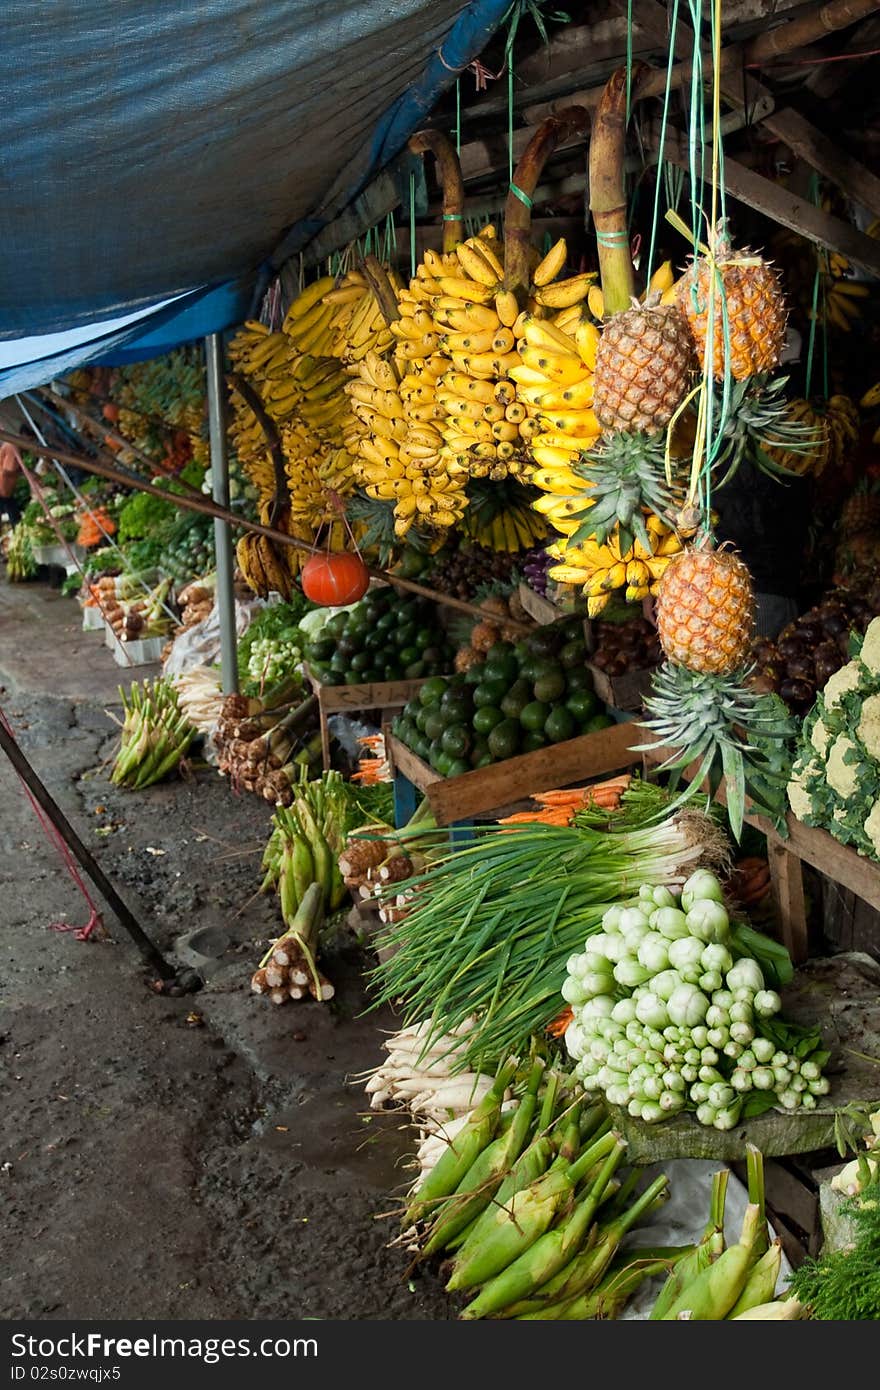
(670, 1014)
(493, 923)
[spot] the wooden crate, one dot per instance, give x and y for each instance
(385, 696)
(538, 607)
(626, 692)
(804, 845)
(502, 784)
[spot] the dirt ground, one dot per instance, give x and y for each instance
(197, 1157)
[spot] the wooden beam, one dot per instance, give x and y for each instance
(792, 34)
(784, 207)
(829, 159)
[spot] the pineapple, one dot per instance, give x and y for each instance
(625, 479)
(484, 636)
(756, 313)
(860, 513)
(644, 364)
(794, 458)
(706, 611)
(775, 434)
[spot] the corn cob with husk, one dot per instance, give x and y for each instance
(155, 735)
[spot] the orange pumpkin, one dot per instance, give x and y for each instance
(334, 580)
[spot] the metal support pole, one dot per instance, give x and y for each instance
(225, 589)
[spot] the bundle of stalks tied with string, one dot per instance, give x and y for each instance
(376, 859)
(262, 743)
(289, 968)
(155, 735)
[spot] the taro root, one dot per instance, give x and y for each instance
(801, 668)
(800, 694)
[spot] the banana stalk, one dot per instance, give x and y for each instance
(574, 120)
(607, 192)
(451, 181)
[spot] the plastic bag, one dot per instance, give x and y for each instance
(200, 645)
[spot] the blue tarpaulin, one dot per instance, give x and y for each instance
(153, 149)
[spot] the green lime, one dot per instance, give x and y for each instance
(360, 661)
(474, 674)
(415, 670)
(406, 730)
(356, 677)
(408, 655)
(583, 704)
(598, 721)
(433, 723)
(456, 740)
(504, 739)
(485, 719)
(432, 691)
(516, 699)
(534, 716)
(573, 654)
(533, 740)
(560, 724)
(579, 678)
(421, 747)
(506, 668)
(484, 760)
(489, 693)
(424, 638)
(499, 651)
(550, 686)
(457, 767)
(443, 762)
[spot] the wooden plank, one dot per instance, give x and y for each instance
(539, 607)
(788, 210)
(403, 759)
(787, 878)
(514, 779)
(829, 159)
(814, 846)
(371, 695)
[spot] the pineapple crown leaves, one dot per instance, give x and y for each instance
(757, 419)
(729, 730)
(625, 474)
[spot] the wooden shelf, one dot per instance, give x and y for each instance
(804, 844)
(499, 785)
(385, 696)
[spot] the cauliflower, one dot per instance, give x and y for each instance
(868, 728)
(799, 798)
(871, 828)
(870, 653)
(842, 776)
(847, 678)
(820, 738)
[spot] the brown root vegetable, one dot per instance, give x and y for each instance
(797, 693)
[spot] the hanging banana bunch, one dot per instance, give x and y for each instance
(401, 459)
(599, 570)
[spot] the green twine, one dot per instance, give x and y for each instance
(458, 115)
(629, 56)
(412, 225)
(510, 120)
(610, 239)
(663, 121)
(815, 316)
(523, 197)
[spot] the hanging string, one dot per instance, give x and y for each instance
(412, 225)
(663, 122)
(629, 57)
(510, 119)
(458, 115)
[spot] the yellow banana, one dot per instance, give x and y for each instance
(564, 370)
(596, 302)
(507, 307)
(563, 294)
(476, 267)
(577, 423)
(542, 333)
(547, 269)
(662, 280)
(309, 296)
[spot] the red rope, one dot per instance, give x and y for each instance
(54, 837)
